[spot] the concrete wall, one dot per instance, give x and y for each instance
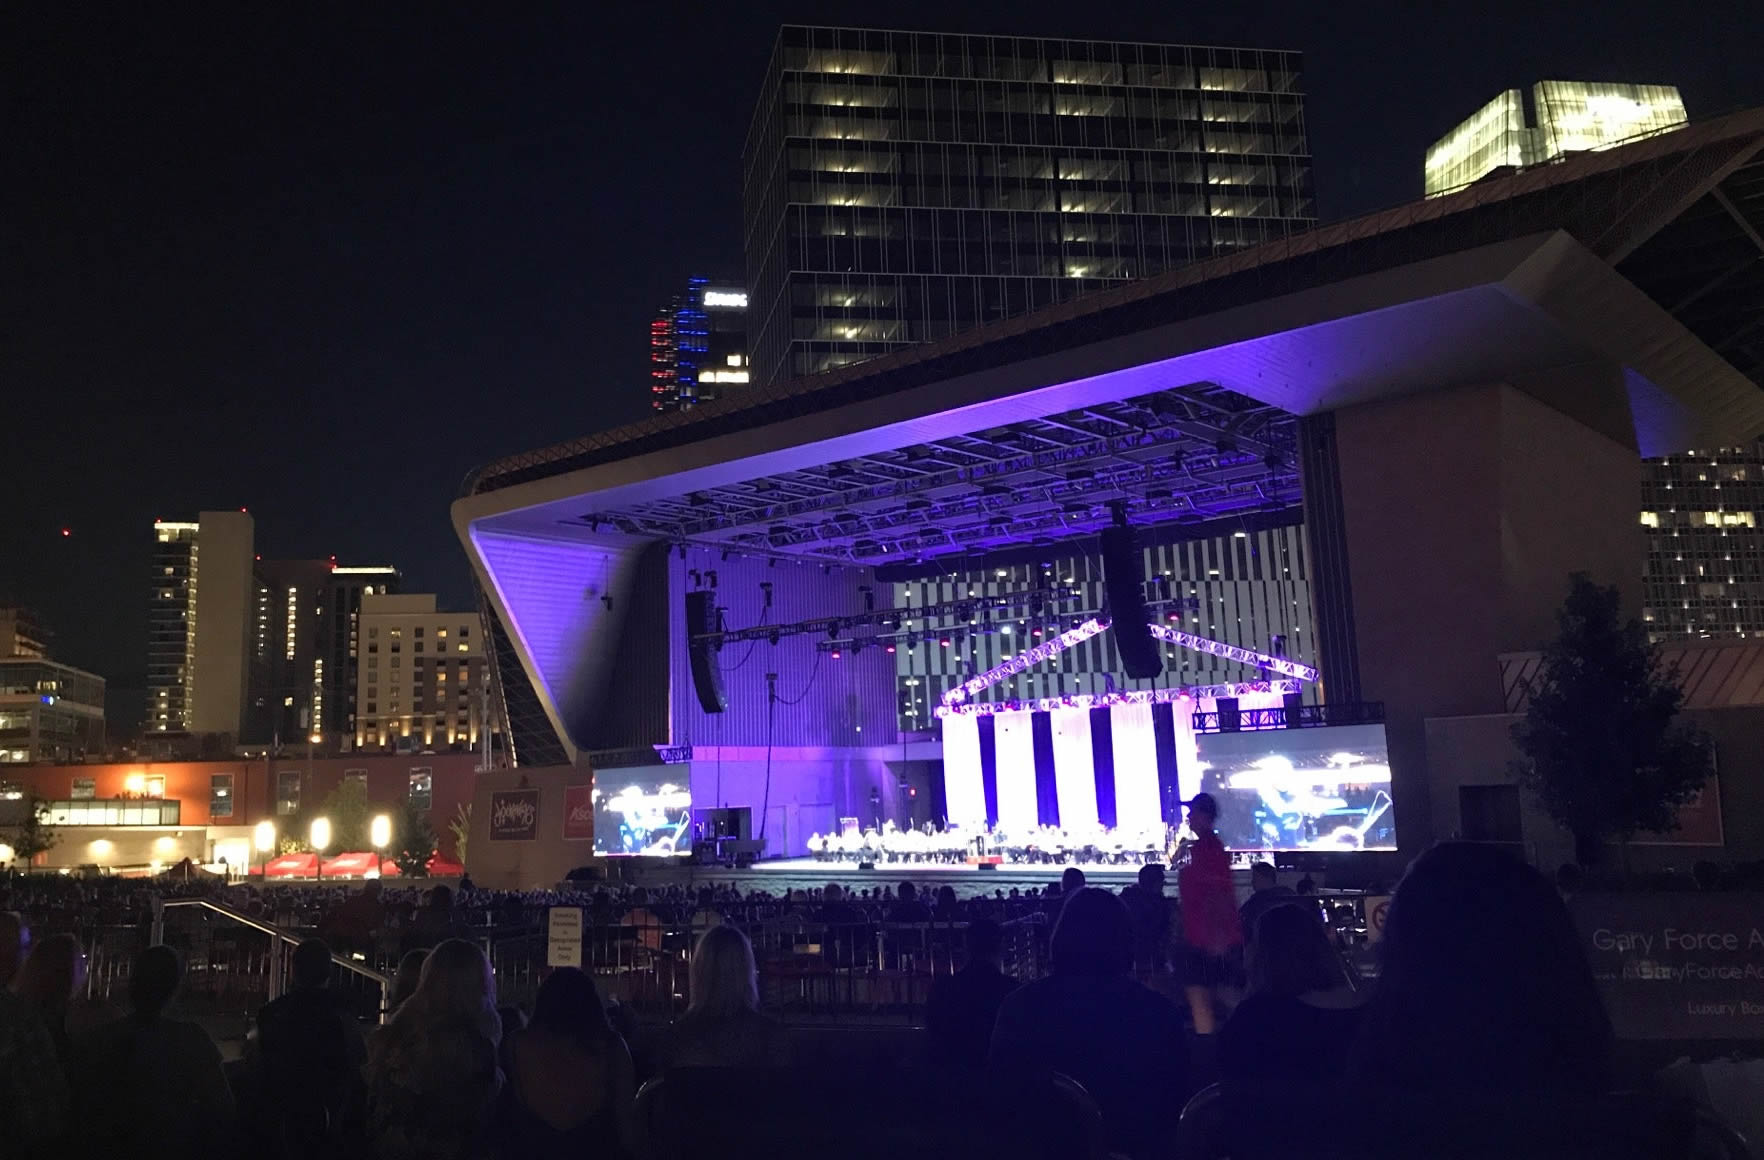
(1465, 512)
(225, 599)
(1478, 750)
(546, 859)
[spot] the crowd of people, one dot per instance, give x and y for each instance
(1484, 1034)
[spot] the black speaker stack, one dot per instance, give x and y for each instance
(1142, 657)
(707, 679)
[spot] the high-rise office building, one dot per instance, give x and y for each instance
(23, 634)
(1521, 128)
(899, 187)
(423, 684)
(697, 346)
(306, 629)
(200, 624)
(1702, 513)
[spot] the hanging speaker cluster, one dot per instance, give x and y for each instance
(1124, 587)
(707, 679)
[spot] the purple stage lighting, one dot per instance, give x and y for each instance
(1231, 652)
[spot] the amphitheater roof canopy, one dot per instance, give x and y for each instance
(1176, 395)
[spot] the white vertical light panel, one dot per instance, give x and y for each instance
(1074, 768)
(1188, 770)
(1136, 768)
(964, 796)
(1013, 741)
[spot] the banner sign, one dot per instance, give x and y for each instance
(578, 823)
(514, 815)
(1677, 966)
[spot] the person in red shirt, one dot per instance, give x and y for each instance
(1210, 923)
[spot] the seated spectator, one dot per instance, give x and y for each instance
(33, 1083)
(431, 1073)
(1291, 1037)
(405, 980)
(1265, 894)
(963, 1007)
(311, 1048)
(571, 1085)
(352, 925)
(434, 923)
(1486, 1034)
(171, 1098)
(1092, 1021)
(948, 909)
(48, 982)
(706, 915)
(1148, 909)
(722, 1026)
(1071, 880)
(907, 907)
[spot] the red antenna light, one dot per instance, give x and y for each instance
(65, 532)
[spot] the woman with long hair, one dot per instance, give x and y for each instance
(571, 1084)
(723, 1026)
(1486, 1034)
(431, 1075)
(1290, 1039)
(48, 980)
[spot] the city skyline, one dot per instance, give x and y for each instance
(330, 307)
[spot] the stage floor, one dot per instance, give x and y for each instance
(802, 873)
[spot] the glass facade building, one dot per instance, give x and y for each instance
(49, 712)
(697, 346)
(1552, 120)
(900, 187)
(1702, 513)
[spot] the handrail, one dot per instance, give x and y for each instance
(276, 933)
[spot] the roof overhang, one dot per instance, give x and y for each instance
(1513, 312)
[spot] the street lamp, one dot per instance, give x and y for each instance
(380, 835)
(263, 837)
(319, 838)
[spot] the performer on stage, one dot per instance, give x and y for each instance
(1213, 958)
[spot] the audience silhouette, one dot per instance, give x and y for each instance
(570, 1082)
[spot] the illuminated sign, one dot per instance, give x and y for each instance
(732, 299)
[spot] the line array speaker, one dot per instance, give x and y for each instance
(707, 679)
(1124, 585)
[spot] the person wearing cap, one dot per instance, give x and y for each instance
(1210, 923)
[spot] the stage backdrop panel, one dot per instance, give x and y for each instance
(1074, 768)
(1014, 743)
(963, 793)
(1136, 768)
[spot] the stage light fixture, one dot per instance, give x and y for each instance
(836, 654)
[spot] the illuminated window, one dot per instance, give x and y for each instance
(1650, 519)
(220, 795)
(422, 788)
(287, 792)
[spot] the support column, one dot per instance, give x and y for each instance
(1464, 512)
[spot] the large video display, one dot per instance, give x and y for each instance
(1323, 789)
(643, 811)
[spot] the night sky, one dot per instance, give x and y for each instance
(320, 261)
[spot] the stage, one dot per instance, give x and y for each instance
(781, 874)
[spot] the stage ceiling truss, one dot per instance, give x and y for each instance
(1181, 455)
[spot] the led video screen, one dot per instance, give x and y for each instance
(643, 811)
(1325, 789)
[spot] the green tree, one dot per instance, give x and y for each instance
(1602, 747)
(460, 826)
(413, 841)
(350, 813)
(32, 835)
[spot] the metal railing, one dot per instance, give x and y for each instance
(808, 970)
(234, 962)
